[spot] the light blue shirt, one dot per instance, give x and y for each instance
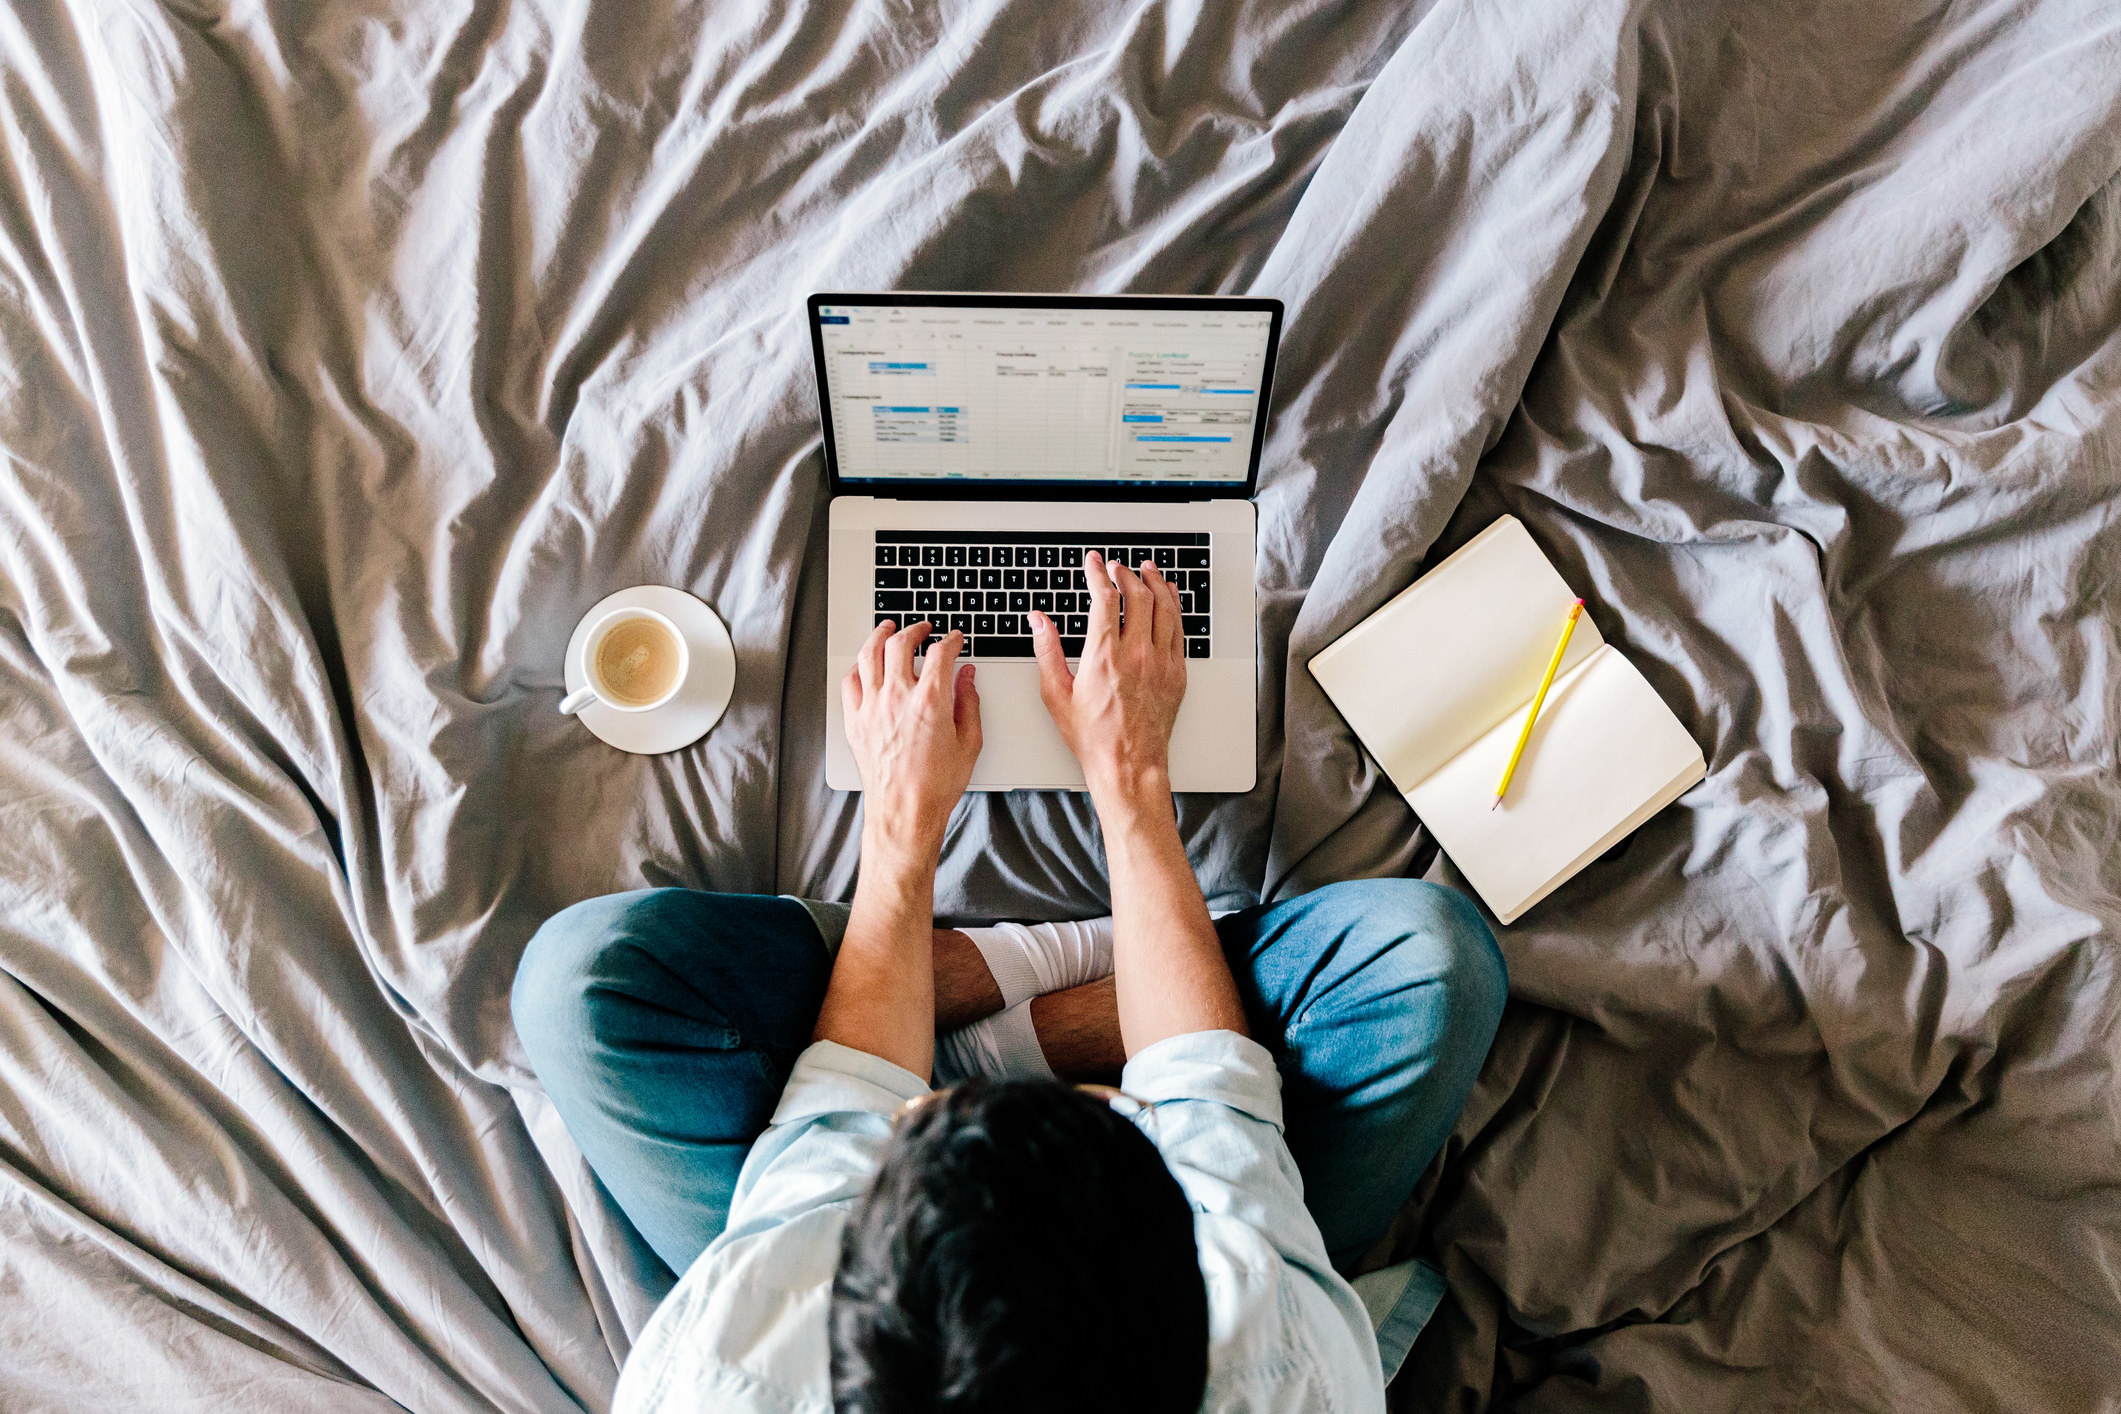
(746, 1328)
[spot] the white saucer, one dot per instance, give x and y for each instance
(685, 718)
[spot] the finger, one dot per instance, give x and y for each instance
(940, 669)
(1165, 628)
(965, 709)
(1172, 613)
(1104, 599)
(898, 654)
(1055, 683)
(870, 661)
(1140, 604)
(851, 692)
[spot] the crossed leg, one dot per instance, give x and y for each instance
(664, 1024)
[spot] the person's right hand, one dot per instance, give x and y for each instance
(916, 736)
(1116, 709)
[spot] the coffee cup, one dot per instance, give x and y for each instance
(632, 660)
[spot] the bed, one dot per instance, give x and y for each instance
(350, 350)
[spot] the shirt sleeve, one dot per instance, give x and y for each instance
(745, 1328)
(1286, 1330)
(825, 1139)
(1218, 1121)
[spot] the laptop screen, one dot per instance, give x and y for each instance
(1068, 396)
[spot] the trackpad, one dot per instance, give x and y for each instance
(1022, 748)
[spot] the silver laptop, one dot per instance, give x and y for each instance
(981, 445)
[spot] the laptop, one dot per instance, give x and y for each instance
(981, 445)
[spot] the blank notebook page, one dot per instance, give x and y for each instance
(1605, 756)
(1425, 676)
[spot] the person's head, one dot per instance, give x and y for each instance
(1023, 1247)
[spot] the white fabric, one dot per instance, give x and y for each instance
(1003, 1046)
(1031, 959)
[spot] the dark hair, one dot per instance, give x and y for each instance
(1022, 1247)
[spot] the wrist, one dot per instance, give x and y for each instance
(1132, 793)
(901, 838)
(896, 859)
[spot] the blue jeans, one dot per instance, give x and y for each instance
(664, 1023)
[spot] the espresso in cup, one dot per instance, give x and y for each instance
(637, 661)
(632, 661)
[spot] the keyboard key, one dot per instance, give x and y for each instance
(1012, 579)
(924, 601)
(922, 579)
(1072, 557)
(1196, 625)
(888, 600)
(953, 554)
(1142, 555)
(1042, 602)
(1071, 647)
(931, 555)
(983, 623)
(1196, 648)
(886, 555)
(1078, 625)
(1001, 647)
(882, 619)
(1035, 579)
(947, 601)
(990, 579)
(996, 600)
(945, 579)
(1006, 625)
(1019, 601)
(1199, 582)
(1165, 557)
(1048, 556)
(1185, 602)
(1192, 559)
(961, 623)
(976, 557)
(1004, 556)
(890, 579)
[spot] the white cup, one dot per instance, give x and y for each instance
(602, 681)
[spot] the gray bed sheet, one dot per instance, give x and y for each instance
(349, 350)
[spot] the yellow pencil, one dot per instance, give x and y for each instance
(1539, 697)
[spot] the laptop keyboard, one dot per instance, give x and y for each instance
(986, 584)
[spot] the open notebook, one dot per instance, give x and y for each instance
(1436, 684)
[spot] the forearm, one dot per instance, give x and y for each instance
(1078, 1032)
(1170, 971)
(965, 991)
(881, 998)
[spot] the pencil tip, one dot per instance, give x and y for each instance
(1495, 802)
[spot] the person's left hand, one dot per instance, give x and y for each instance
(915, 738)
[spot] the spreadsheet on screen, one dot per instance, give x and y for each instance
(1042, 394)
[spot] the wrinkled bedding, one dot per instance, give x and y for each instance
(350, 350)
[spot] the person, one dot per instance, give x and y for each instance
(749, 1078)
